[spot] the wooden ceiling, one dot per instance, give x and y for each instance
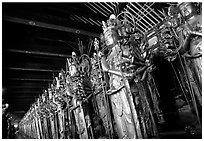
(38, 37)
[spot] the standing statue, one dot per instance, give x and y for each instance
(39, 119)
(53, 110)
(103, 119)
(181, 41)
(76, 86)
(133, 94)
(125, 115)
(188, 28)
(45, 114)
(60, 104)
(192, 34)
(36, 120)
(191, 31)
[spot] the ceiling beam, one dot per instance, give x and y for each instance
(31, 69)
(22, 98)
(26, 102)
(29, 79)
(26, 91)
(86, 11)
(14, 96)
(39, 53)
(18, 112)
(49, 26)
(25, 87)
(29, 84)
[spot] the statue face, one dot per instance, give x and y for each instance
(73, 70)
(186, 9)
(174, 22)
(43, 97)
(172, 11)
(50, 94)
(73, 55)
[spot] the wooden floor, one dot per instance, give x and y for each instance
(164, 135)
(174, 134)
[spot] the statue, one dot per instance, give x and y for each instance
(125, 116)
(128, 61)
(75, 83)
(102, 119)
(192, 32)
(53, 110)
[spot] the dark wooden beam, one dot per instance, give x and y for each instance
(38, 66)
(49, 26)
(18, 112)
(12, 101)
(38, 53)
(26, 91)
(25, 87)
(31, 69)
(29, 79)
(13, 97)
(22, 98)
(27, 84)
(18, 96)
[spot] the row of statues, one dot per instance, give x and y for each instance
(113, 94)
(8, 129)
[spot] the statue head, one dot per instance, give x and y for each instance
(49, 93)
(112, 20)
(43, 97)
(173, 11)
(52, 87)
(72, 69)
(187, 9)
(73, 55)
(112, 17)
(166, 37)
(57, 82)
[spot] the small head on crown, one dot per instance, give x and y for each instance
(112, 20)
(73, 54)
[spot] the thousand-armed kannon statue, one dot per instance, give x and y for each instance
(123, 89)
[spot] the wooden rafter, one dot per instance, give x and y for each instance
(49, 26)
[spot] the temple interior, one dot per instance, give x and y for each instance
(101, 70)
